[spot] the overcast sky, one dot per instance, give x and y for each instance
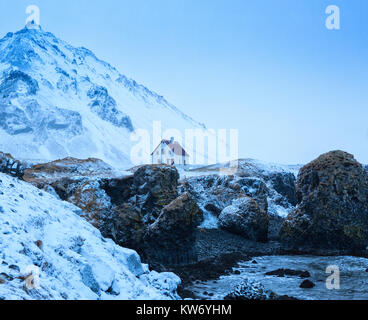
(271, 69)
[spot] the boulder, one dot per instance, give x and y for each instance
(307, 284)
(171, 236)
(332, 211)
(246, 218)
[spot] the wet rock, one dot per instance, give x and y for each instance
(307, 284)
(332, 211)
(246, 218)
(288, 272)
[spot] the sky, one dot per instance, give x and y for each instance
(271, 69)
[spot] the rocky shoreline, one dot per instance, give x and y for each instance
(202, 226)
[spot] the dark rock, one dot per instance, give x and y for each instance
(254, 262)
(237, 272)
(6, 276)
(207, 269)
(128, 227)
(286, 297)
(284, 184)
(288, 272)
(213, 209)
(245, 218)
(171, 236)
(275, 223)
(155, 186)
(332, 211)
(307, 284)
(14, 267)
(256, 189)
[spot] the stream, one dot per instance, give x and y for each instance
(353, 278)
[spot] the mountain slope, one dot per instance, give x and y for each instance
(57, 101)
(74, 260)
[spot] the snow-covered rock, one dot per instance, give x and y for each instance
(41, 236)
(272, 186)
(245, 218)
(251, 290)
(57, 101)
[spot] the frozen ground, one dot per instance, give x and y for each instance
(42, 235)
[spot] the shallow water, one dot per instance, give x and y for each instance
(353, 278)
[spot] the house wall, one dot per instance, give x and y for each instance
(163, 153)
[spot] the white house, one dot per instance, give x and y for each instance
(169, 152)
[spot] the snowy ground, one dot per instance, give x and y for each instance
(45, 237)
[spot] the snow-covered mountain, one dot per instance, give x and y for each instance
(68, 257)
(57, 100)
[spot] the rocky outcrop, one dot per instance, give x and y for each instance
(126, 226)
(213, 193)
(284, 184)
(271, 186)
(172, 234)
(246, 218)
(140, 211)
(332, 211)
(11, 166)
(80, 182)
(153, 187)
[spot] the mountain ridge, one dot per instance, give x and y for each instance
(57, 100)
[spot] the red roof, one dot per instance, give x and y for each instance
(174, 147)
